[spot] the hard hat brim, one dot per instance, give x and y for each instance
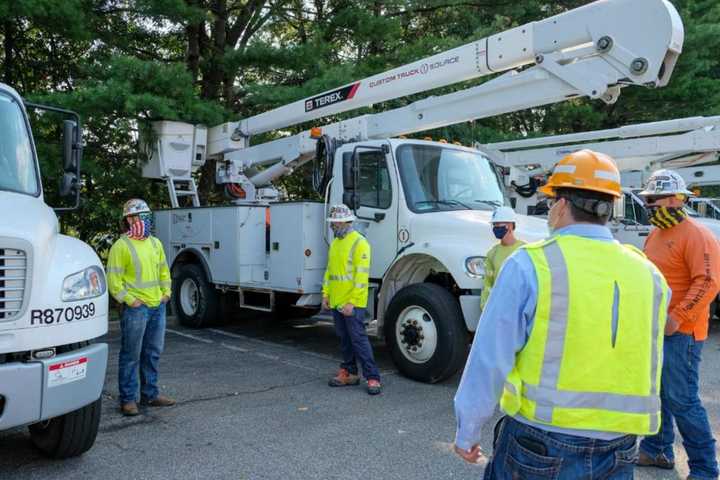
(341, 219)
(648, 193)
(549, 190)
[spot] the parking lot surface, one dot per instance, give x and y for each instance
(253, 403)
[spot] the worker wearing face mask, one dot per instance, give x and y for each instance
(688, 255)
(138, 277)
(569, 343)
(503, 226)
(345, 292)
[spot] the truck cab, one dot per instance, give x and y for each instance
(53, 298)
(425, 208)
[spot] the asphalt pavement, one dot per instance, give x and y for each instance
(253, 403)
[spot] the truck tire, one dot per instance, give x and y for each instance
(68, 435)
(426, 333)
(196, 302)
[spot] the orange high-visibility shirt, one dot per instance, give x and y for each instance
(688, 255)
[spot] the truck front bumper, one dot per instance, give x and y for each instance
(38, 390)
(470, 305)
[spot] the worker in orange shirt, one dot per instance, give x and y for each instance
(688, 255)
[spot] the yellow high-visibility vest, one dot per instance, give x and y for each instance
(348, 270)
(594, 356)
(138, 270)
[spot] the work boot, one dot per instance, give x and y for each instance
(374, 387)
(660, 461)
(129, 409)
(160, 401)
(344, 379)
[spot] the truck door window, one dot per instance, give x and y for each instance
(374, 183)
(17, 164)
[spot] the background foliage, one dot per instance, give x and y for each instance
(120, 63)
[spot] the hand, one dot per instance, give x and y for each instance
(474, 455)
(671, 325)
(136, 304)
(347, 310)
(165, 298)
(326, 303)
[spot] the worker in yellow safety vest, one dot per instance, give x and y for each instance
(570, 343)
(139, 278)
(345, 292)
(503, 223)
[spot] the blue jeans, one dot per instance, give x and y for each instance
(354, 343)
(143, 339)
(529, 453)
(681, 401)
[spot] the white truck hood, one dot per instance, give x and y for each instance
(28, 218)
(472, 226)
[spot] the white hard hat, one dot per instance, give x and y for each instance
(666, 182)
(340, 213)
(504, 214)
(135, 206)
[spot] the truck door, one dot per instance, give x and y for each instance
(634, 228)
(376, 199)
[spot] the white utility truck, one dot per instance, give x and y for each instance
(689, 146)
(53, 297)
(424, 206)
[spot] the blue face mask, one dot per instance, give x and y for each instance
(500, 232)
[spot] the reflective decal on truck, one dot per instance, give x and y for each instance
(51, 316)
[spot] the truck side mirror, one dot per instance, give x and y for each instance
(71, 146)
(351, 199)
(619, 208)
(69, 184)
(348, 171)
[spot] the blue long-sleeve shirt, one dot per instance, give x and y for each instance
(503, 330)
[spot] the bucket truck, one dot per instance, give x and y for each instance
(424, 206)
(53, 296)
(689, 146)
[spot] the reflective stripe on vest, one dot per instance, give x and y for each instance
(137, 266)
(546, 395)
(349, 273)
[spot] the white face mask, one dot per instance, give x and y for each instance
(553, 216)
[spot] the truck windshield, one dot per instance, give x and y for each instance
(440, 178)
(17, 164)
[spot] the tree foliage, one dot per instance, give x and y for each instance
(122, 63)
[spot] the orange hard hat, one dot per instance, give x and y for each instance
(585, 170)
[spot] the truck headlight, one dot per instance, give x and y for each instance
(88, 283)
(475, 267)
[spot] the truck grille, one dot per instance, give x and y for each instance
(13, 279)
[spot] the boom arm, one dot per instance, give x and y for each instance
(590, 51)
(646, 146)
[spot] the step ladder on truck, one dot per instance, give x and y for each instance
(424, 206)
(53, 296)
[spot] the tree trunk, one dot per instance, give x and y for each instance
(213, 74)
(193, 31)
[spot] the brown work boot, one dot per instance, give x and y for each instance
(660, 461)
(374, 387)
(129, 409)
(160, 401)
(344, 379)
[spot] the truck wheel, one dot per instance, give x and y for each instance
(69, 435)
(196, 302)
(425, 332)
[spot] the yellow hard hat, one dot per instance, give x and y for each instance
(585, 170)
